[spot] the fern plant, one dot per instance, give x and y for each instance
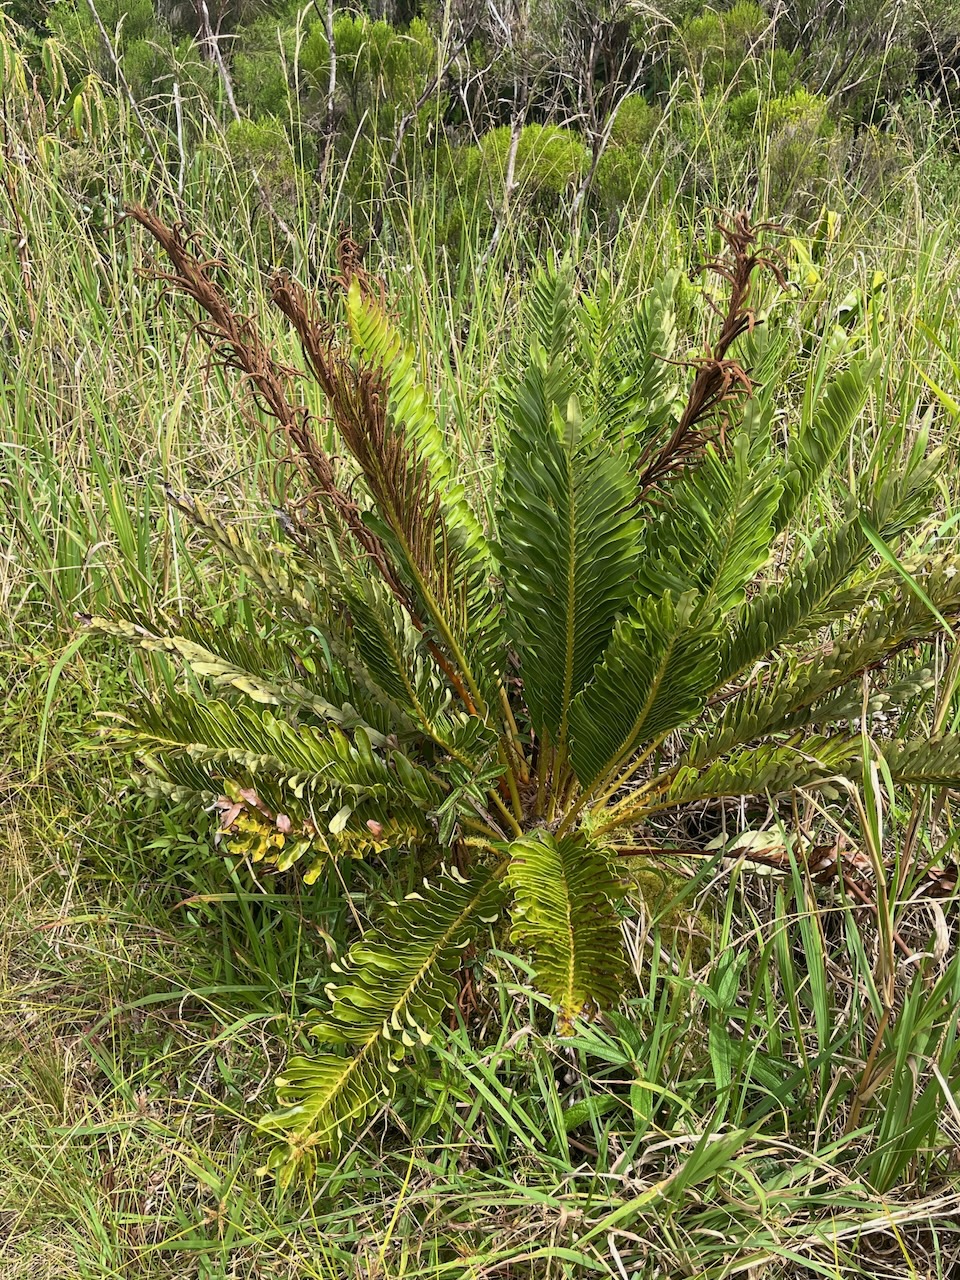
(496, 699)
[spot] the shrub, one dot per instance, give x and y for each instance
(495, 706)
(801, 155)
(257, 68)
(735, 48)
(550, 163)
(630, 155)
(261, 149)
(128, 21)
(380, 71)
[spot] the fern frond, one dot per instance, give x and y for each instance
(777, 769)
(388, 997)
(563, 911)
(264, 819)
(569, 545)
(653, 677)
(815, 592)
(792, 691)
(753, 771)
(273, 568)
(933, 763)
(332, 767)
(393, 653)
(636, 385)
(849, 703)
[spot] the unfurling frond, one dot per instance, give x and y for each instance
(387, 997)
(563, 911)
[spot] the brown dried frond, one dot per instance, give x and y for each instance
(236, 342)
(396, 476)
(719, 378)
(233, 338)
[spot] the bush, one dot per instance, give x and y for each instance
(628, 162)
(550, 164)
(381, 72)
(735, 48)
(261, 149)
(257, 68)
(802, 151)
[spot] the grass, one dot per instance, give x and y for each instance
(779, 1092)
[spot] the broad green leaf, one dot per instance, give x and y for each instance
(654, 677)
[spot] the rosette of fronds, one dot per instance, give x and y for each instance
(509, 693)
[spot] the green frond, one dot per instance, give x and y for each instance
(563, 910)
(635, 383)
(262, 818)
(392, 651)
(828, 416)
(273, 568)
(240, 664)
(379, 343)
(335, 769)
(552, 310)
(387, 998)
(849, 702)
(934, 762)
(777, 769)
(818, 590)
(755, 771)
(716, 528)
(569, 545)
(180, 779)
(798, 689)
(654, 677)
(324, 1097)
(779, 614)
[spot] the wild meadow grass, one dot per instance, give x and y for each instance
(150, 987)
